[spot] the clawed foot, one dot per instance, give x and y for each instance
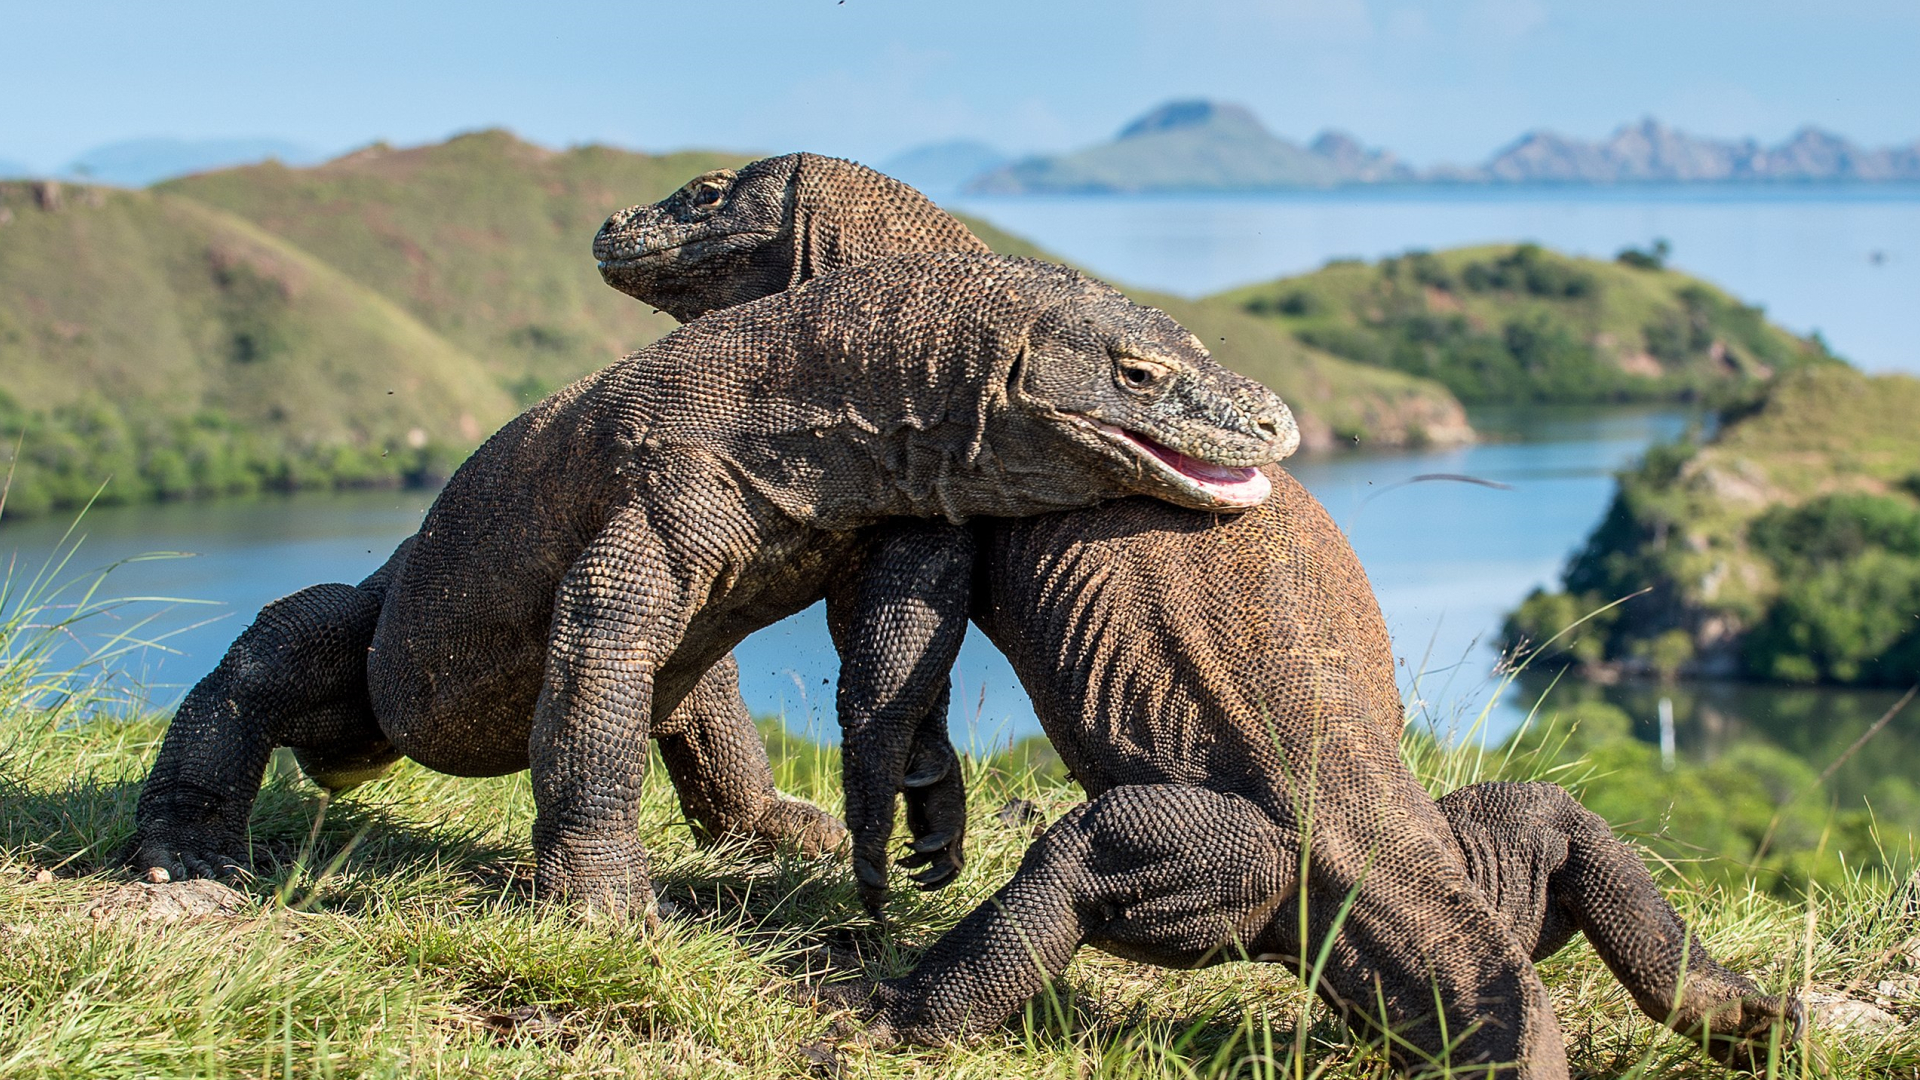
(599, 878)
(801, 827)
(863, 1012)
(158, 854)
(936, 797)
(1752, 1039)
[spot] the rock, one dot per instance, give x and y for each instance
(1838, 1012)
(145, 902)
(1907, 989)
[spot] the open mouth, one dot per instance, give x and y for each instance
(1223, 485)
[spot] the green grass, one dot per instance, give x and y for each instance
(398, 938)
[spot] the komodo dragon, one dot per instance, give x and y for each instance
(1225, 693)
(598, 554)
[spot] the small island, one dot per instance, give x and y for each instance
(1784, 546)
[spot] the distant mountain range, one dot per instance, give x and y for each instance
(138, 162)
(1210, 146)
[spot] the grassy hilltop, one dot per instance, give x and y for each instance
(1523, 324)
(396, 938)
(1786, 547)
(484, 238)
(183, 351)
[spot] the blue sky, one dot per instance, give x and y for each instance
(1435, 81)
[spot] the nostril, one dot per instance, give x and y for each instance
(1268, 426)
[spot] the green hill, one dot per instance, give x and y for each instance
(1786, 548)
(1520, 323)
(183, 351)
(1336, 402)
(484, 238)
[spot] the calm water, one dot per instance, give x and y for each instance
(1844, 261)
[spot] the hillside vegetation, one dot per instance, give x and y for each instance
(484, 238)
(1786, 547)
(1524, 324)
(183, 351)
(243, 328)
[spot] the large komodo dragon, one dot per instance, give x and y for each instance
(1224, 692)
(598, 554)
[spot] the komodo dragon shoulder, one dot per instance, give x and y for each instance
(1223, 688)
(599, 554)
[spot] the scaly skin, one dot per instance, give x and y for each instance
(1225, 693)
(584, 569)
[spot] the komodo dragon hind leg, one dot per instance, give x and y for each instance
(719, 767)
(1186, 877)
(296, 677)
(1174, 875)
(1555, 868)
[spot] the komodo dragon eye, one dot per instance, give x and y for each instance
(1136, 373)
(707, 191)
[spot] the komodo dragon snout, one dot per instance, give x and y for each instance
(1147, 397)
(708, 230)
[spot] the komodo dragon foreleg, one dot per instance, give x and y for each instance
(1554, 869)
(898, 625)
(1185, 877)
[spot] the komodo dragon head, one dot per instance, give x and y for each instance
(728, 237)
(1144, 393)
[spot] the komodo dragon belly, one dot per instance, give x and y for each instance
(1163, 645)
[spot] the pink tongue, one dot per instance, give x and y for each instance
(1244, 484)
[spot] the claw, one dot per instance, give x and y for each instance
(935, 876)
(929, 776)
(928, 844)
